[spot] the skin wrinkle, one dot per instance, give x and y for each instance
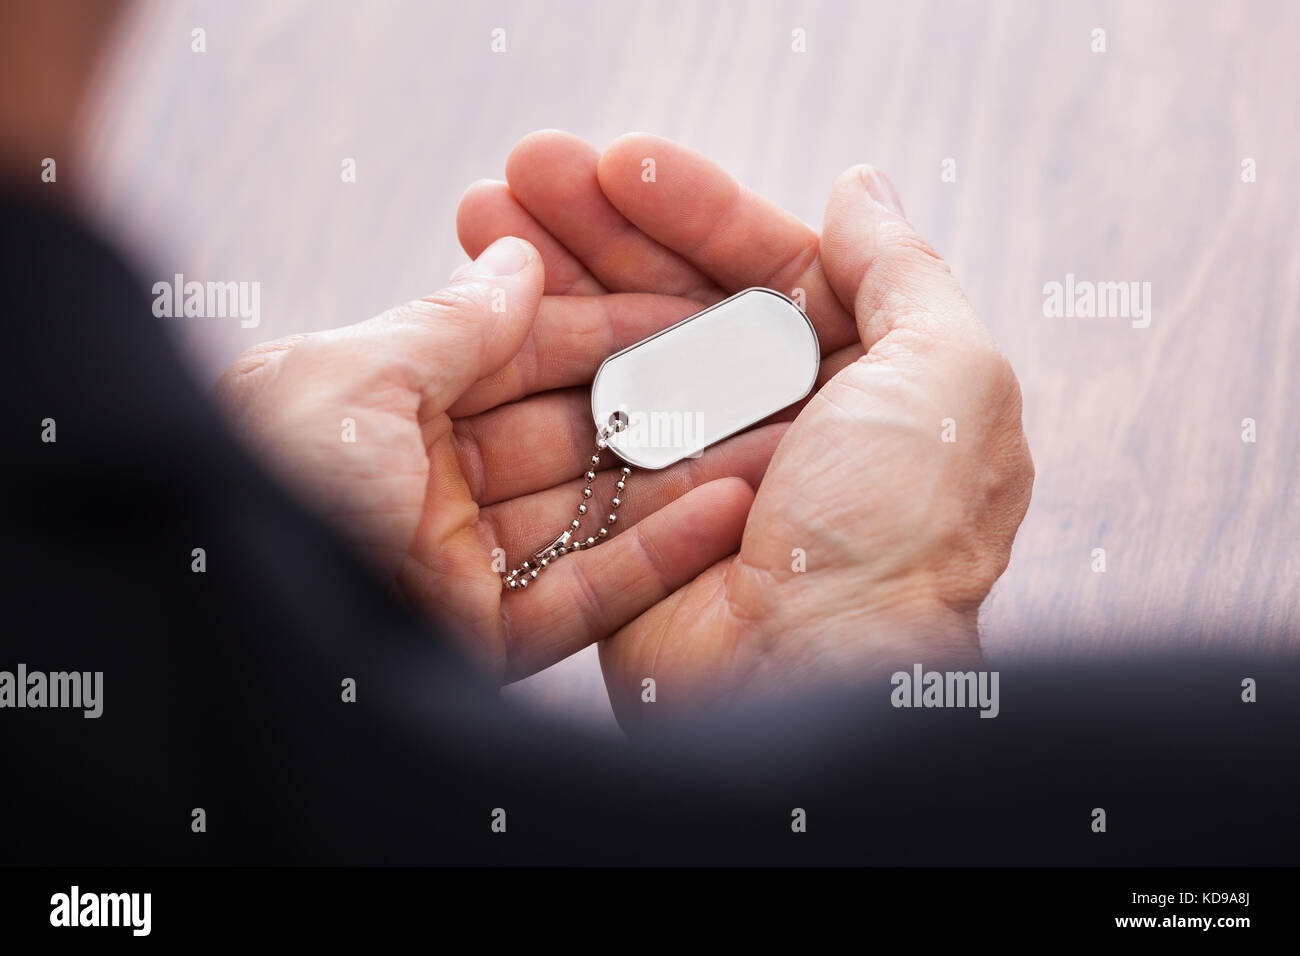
(800, 262)
(668, 626)
(505, 619)
(515, 376)
(590, 611)
(439, 423)
(471, 507)
(256, 358)
(601, 331)
(889, 310)
(574, 282)
(742, 568)
(717, 228)
(604, 247)
(523, 456)
(496, 536)
(469, 456)
(752, 628)
(572, 407)
(873, 416)
(653, 556)
(704, 293)
(580, 436)
(662, 632)
(905, 606)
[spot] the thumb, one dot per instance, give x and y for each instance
(883, 272)
(473, 327)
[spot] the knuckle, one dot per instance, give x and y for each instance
(988, 367)
(791, 271)
(899, 241)
(591, 609)
(469, 456)
(912, 247)
(458, 301)
(255, 358)
(1003, 379)
(252, 370)
(653, 557)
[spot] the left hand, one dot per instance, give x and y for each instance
(450, 427)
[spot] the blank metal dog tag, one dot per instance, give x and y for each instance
(683, 389)
(706, 378)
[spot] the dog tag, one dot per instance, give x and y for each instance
(679, 391)
(706, 378)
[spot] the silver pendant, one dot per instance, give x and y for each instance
(706, 378)
(696, 383)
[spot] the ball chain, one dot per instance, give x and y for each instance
(569, 541)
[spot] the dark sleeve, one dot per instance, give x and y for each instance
(222, 689)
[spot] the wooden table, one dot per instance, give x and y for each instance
(1116, 166)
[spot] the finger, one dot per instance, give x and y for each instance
(488, 211)
(729, 233)
(888, 275)
(571, 336)
(553, 175)
(583, 597)
(522, 525)
(528, 446)
(440, 345)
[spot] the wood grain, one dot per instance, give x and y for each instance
(1116, 166)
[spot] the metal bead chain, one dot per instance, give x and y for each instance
(569, 540)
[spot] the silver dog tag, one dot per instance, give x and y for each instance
(706, 378)
(681, 390)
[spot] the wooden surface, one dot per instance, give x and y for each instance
(1116, 166)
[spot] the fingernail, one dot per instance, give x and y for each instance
(503, 258)
(881, 189)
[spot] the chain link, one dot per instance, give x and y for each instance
(568, 541)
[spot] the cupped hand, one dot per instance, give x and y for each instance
(891, 502)
(449, 436)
